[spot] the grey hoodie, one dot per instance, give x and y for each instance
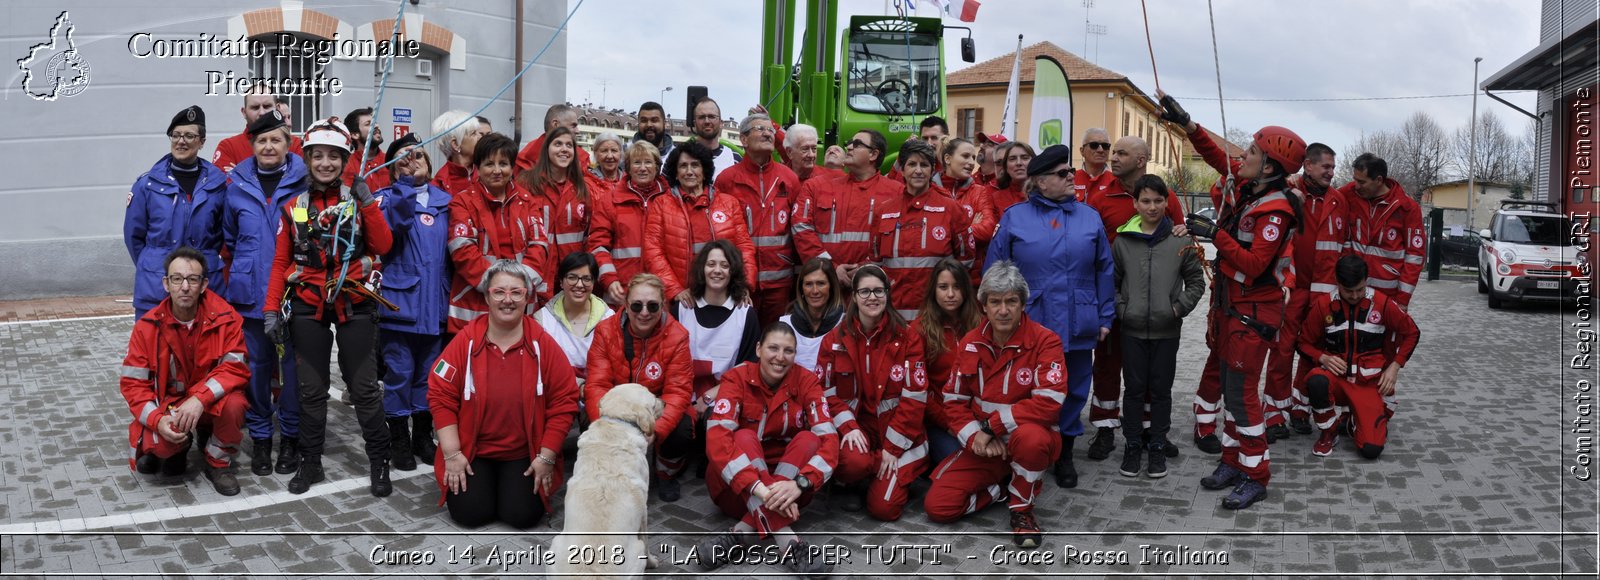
(1158, 282)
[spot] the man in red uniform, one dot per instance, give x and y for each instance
(833, 218)
(1360, 340)
(767, 190)
(1251, 236)
(771, 444)
(1285, 390)
(562, 115)
(1096, 151)
(1380, 223)
(237, 148)
(1003, 400)
(185, 368)
(1112, 196)
(359, 122)
(800, 153)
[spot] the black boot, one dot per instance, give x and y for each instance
(1105, 439)
(261, 456)
(178, 464)
(288, 455)
(400, 444)
(309, 472)
(380, 479)
(422, 437)
(1066, 475)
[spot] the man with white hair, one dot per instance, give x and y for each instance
(800, 151)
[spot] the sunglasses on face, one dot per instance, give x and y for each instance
(639, 307)
(1064, 173)
(1102, 146)
(855, 143)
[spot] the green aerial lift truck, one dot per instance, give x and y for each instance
(891, 76)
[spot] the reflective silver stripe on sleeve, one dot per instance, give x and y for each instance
(1323, 288)
(136, 373)
(770, 241)
(237, 357)
(607, 268)
(821, 466)
(1384, 284)
(967, 432)
(835, 238)
(458, 243)
(912, 262)
(773, 275)
(734, 467)
(896, 438)
(571, 238)
(1328, 246)
(887, 405)
(144, 414)
(465, 314)
(1414, 260)
(822, 429)
(919, 396)
(627, 253)
(1056, 396)
(215, 387)
(1380, 252)
(1007, 419)
(1408, 288)
(957, 397)
(843, 417)
(728, 424)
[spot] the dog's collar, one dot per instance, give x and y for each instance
(630, 424)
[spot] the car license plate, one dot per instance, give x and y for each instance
(1549, 284)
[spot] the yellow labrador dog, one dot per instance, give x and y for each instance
(606, 498)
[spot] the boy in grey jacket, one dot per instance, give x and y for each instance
(1160, 279)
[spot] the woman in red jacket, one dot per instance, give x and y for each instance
(328, 245)
(916, 228)
(608, 168)
(680, 224)
(562, 195)
(949, 311)
(1011, 175)
(877, 387)
(960, 159)
(492, 219)
(616, 232)
(645, 346)
(503, 398)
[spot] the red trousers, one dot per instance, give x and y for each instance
(1285, 392)
(1371, 410)
(771, 303)
(1243, 351)
(965, 483)
(1208, 396)
(1105, 397)
(226, 418)
(742, 503)
(886, 498)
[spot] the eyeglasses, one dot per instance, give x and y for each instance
(576, 279)
(1101, 145)
(638, 307)
(854, 143)
(182, 137)
(502, 294)
(706, 117)
(181, 281)
(760, 129)
(871, 292)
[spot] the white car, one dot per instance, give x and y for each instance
(1528, 255)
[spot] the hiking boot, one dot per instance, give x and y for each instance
(261, 456)
(1131, 454)
(176, 465)
(288, 456)
(1325, 443)
(1105, 439)
(801, 561)
(1276, 432)
(669, 490)
(223, 479)
(1167, 448)
(422, 437)
(713, 551)
(380, 479)
(1025, 529)
(309, 472)
(400, 444)
(147, 464)
(1157, 467)
(1225, 476)
(1300, 425)
(1066, 474)
(1248, 492)
(1208, 444)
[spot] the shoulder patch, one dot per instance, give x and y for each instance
(1270, 233)
(722, 407)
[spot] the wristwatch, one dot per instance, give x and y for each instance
(802, 482)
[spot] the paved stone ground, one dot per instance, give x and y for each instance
(1474, 481)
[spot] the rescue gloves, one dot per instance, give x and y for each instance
(1201, 226)
(1173, 112)
(276, 331)
(360, 191)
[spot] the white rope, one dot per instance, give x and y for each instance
(1227, 189)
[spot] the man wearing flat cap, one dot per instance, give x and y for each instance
(1061, 248)
(177, 203)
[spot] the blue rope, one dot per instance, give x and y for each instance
(383, 83)
(348, 214)
(497, 95)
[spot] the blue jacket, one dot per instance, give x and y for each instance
(416, 272)
(250, 228)
(161, 219)
(1061, 249)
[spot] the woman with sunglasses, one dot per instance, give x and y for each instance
(917, 228)
(503, 398)
(833, 217)
(678, 226)
(960, 179)
(1011, 174)
(949, 311)
(877, 388)
(816, 310)
(645, 346)
(1060, 246)
(573, 314)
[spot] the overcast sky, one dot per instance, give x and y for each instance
(1269, 50)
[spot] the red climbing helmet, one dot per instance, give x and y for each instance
(1282, 145)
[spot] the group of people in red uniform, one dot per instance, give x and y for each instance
(927, 346)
